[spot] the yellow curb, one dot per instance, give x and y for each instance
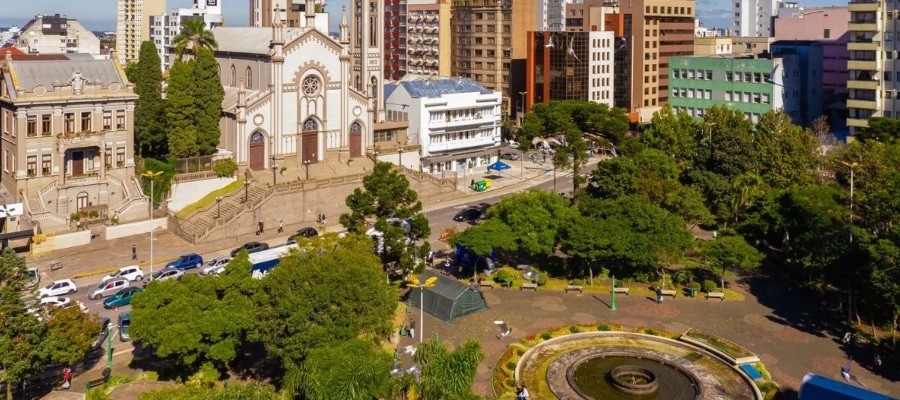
(114, 269)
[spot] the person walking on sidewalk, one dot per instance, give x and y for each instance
(133, 252)
(280, 226)
(659, 295)
(262, 229)
(67, 379)
(412, 328)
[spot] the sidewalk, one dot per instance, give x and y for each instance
(103, 256)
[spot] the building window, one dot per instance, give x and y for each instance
(233, 76)
(69, 122)
(46, 164)
(31, 126)
(31, 166)
(107, 120)
(120, 120)
(310, 125)
(249, 77)
(46, 125)
(85, 122)
(120, 157)
(385, 136)
(826, 34)
(107, 157)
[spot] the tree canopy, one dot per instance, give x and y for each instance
(149, 108)
(194, 36)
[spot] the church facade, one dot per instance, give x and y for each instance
(289, 100)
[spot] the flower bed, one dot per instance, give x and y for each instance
(724, 348)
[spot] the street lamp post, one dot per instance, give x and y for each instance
(400, 152)
(522, 106)
(612, 304)
(414, 281)
(850, 291)
(219, 206)
(246, 195)
(274, 168)
(306, 164)
(152, 175)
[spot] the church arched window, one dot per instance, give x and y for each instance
(249, 78)
(310, 125)
(355, 128)
(233, 76)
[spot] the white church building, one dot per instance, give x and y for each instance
(288, 99)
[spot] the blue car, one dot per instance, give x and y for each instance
(187, 261)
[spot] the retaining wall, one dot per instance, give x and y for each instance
(135, 228)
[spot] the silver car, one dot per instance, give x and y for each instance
(164, 275)
(215, 266)
(108, 288)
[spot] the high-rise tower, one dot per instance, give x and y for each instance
(367, 47)
(133, 26)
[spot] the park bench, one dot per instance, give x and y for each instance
(622, 290)
(717, 295)
(99, 381)
(668, 292)
(529, 286)
(575, 288)
(486, 284)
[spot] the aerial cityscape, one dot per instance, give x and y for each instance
(436, 199)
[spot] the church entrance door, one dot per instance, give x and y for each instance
(309, 141)
(355, 140)
(257, 153)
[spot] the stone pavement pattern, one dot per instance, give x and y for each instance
(786, 351)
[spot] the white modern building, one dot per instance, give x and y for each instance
(164, 28)
(456, 120)
(754, 18)
(133, 26)
(57, 34)
(8, 35)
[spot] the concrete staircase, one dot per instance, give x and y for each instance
(199, 224)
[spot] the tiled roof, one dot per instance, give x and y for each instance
(249, 40)
(438, 87)
(12, 50)
(31, 73)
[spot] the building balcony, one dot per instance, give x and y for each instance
(863, 104)
(857, 123)
(859, 65)
(864, 27)
(864, 5)
(863, 46)
(82, 139)
(479, 121)
(866, 85)
(452, 145)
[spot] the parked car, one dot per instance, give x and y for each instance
(58, 288)
(215, 266)
(251, 247)
(34, 278)
(63, 302)
(109, 287)
(121, 298)
(164, 274)
(131, 272)
(513, 144)
(104, 332)
(124, 323)
(307, 232)
(78, 304)
(187, 261)
(469, 214)
(510, 156)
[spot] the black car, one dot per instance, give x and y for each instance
(307, 232)
(469, 214)
(252, 247)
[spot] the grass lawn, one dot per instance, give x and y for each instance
(209, 199)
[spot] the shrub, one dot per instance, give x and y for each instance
(766, 387)
(683, 276)
(574, 329)
(520, 352)
(604, 327)
(511, 382)
(577, 282)
(162, 183)
(503, 275)
(206, 376)
(709, 286)
(542, 276)
(546, 336)
(693, 285)
(226, 168)
(650, 331)
(511, 366)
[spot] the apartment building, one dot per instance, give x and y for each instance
(827, 25)
(748, 84)
(704, 46)
(57, 34)
(871, 84)
(164, 28)
(68, 140)
(579, 66)
(133, 26)
(456, 121)
(487, 36)
(417, 42)
(753, 18)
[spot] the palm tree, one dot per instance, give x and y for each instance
(194, 36)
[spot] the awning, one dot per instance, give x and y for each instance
(437, 158)
(498, 166)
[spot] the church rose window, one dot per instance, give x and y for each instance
(310, 85)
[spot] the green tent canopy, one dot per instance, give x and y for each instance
(448, 299)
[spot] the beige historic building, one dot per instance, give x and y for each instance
(67, 140)
(288, 98)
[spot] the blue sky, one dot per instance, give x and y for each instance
(101, 14)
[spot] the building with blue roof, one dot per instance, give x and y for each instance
(455, 121)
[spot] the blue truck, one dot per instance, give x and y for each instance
(265, 260)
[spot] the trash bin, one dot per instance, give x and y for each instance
(487, 183)
(480, 186)
(693, 292)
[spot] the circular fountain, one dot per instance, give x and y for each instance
(620, 374)
(633, 379)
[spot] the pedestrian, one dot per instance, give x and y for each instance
(412, 328)
(430, 259)
(847, 337)
(659, 296)
(323, 219)
(524, 394)
(262, 229)
(67, 378)
(280, 226)
(133, 252)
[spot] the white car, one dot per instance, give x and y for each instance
(58, 288)
(131, 272)
(57, 301)
(214, 266)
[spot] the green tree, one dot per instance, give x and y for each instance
(884, 130)
(388, 203)
(70, 334)
(321, 299)
(22, 350)
(184, 143)
(197, 320)
(613, 178)
(194, 36)
(483, 238)
(207, 101)
(149, 118)
(351, 370)
(536, 219)
(445, 374)
(181, 113)
(673, 134)
(727, 143)
(816, 224)
(787, 153)
(687, 203)
(232, 391)
(732, 251)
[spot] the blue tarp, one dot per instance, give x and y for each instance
(498, 166)
(817, 387)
